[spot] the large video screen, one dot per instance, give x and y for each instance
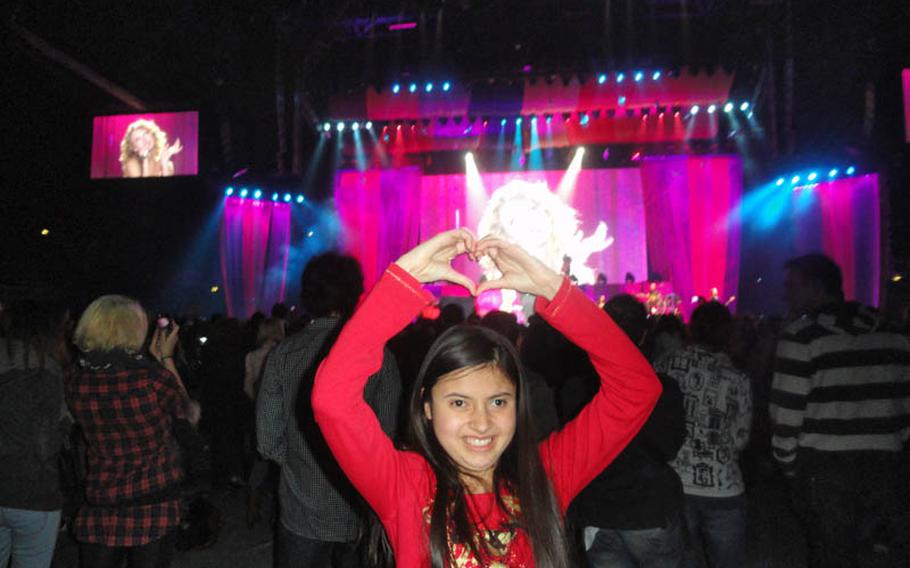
(145, 145)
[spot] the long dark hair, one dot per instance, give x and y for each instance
(519, 471)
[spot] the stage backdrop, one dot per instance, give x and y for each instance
(255, 238)
(385, 212)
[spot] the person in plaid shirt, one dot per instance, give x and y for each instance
(126, 404)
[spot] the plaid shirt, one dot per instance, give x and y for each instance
(125, 405)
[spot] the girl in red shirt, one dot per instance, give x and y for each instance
(475, 489)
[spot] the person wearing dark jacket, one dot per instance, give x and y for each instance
(33, 421)
(632, 512)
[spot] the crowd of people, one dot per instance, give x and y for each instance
(590, 437)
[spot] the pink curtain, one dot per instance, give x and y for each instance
(691, 241)
(255, 237)
(842, 219)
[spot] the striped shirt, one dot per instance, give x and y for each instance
(317, 500)
(841, 384)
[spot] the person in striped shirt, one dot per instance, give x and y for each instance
(840, 413)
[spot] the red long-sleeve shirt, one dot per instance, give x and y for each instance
(400, 485)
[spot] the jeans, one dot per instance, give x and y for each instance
(156, 554)
(295, 551)
(28, 537)
(648, 548)
(717, 531)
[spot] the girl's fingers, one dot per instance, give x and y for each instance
(456, 277)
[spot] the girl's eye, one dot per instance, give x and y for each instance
(457, 403)
(499, 402)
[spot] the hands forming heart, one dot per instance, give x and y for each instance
(431, 261)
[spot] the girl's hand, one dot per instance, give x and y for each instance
(431, 260)
(164, 342)
(520, 271)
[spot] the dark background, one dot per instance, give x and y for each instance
(155, 239)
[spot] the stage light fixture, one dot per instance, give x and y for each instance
(744, 107)
(355, 126)
(779, 182)
(584, 119)
(518, 121)
(639, 76)
(446, 86)
(468, 156)
(340, 126)
(549, 118)
(412, 87)
(533, 119)
(812, 176)
(310, 233)
(621, 100)
(257, 194)
(832, 173)
(502, 122)
(300, 199)
(244, 192)
(655, 76)
(728, 108)
(229, 191)
(396, 88)
(274, 197)
(327, 126)
(694, 109)
(620, 77)
(850, 171)
(368, 125)
(601, 79)
(287, 197)
(794, 180)
(712, 109)
(428, 87)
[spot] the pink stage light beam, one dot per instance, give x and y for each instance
(402, 26)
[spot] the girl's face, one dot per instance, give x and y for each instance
(473, 412)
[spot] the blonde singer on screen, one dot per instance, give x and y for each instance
(144, 151)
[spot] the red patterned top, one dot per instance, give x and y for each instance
(400, 485)
(126, 405)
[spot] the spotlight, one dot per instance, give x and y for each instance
(712, 109)
(601, 79)
(744, 107)
(355, 126)
(229, 191)
(340, 126)
(795, 180)
(812, 176)
(326, 127)
(728, 107)
(310, 233)
(368, 125)
(428, 87)
(620, 77)
(832, 173)
(779, 182)
(518, 121)
(549, 118)
(850, 171)
(396, 88)
(287, 197)
(694, 109)
(468, 156)
(566, 117)
(621, 100)
(584, 119)
(412, 88)
(244, 192)
(274, 197)
(300, 199)
(446, 86)
(639, 76)
(257, 194)
(502, 122)
(655, 76)
(534, 119)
